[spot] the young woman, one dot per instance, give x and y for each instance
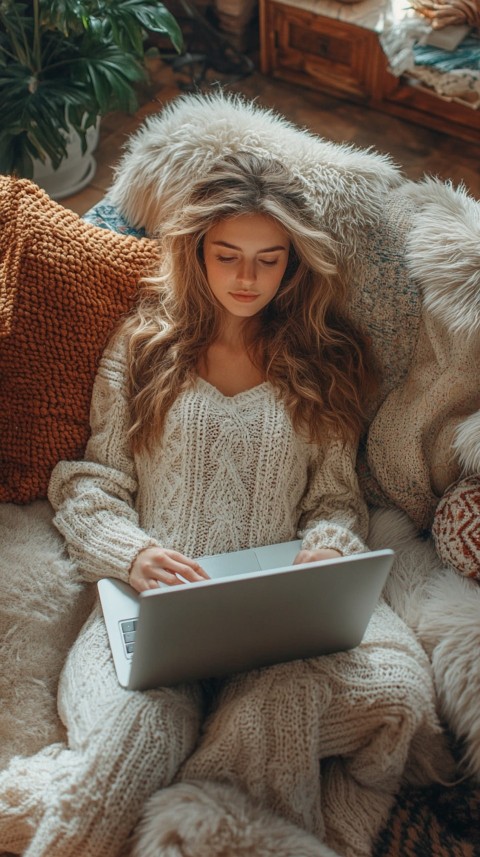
(225, 415)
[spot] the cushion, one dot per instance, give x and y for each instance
(64, 284)
(456, 527)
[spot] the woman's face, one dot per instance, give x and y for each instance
(245, 259)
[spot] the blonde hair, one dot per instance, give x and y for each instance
(305, 346)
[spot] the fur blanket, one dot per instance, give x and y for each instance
(44, 604)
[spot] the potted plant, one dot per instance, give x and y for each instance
(64, 64)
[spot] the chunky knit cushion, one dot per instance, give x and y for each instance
(456, 527)
(63, 286)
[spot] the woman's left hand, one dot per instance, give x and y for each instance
(316, 555)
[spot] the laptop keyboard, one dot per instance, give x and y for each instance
(128, 628)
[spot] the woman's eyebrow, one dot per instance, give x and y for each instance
(233, 247)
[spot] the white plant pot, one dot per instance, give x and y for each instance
(75, 171)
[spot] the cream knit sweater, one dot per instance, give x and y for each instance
(228, 473)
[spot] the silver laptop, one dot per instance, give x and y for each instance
(257, 609)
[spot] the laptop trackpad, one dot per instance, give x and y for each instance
(230, 565)
(251, 559)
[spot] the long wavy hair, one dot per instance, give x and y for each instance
(305, 345)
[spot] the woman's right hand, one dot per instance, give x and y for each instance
(155, 565)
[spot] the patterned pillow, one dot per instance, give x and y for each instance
(64, 284)
(456, 527)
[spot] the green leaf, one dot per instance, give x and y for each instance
(78, 59)
(15, 156)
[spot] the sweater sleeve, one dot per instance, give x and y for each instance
(333, 512)
(94, 499)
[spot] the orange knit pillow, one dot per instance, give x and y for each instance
(63, 286)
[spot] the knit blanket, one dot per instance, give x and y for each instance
(371, 736)
(365, 711)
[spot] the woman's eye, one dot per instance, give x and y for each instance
(226, 258)
(269, 262)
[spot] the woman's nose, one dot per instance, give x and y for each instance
(246, 272)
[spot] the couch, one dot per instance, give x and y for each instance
(412, 251)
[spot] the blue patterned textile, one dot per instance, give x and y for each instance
(106, 216)
(466, 55)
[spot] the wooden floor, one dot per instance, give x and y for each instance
(417, 150)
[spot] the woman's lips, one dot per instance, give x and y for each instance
(244, 297)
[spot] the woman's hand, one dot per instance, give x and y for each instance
(158, 565)
(316, 555)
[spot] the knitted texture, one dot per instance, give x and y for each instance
(322, 742)
(456, 527)
(217, 453)
(22, 790)
(410, 439)
(64, 284)
(84, 801)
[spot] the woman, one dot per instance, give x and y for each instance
(225, 415)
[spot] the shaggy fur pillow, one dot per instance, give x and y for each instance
(64, 284)
(456, 527)
(345, 186)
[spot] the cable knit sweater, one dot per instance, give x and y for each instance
(228, 473)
